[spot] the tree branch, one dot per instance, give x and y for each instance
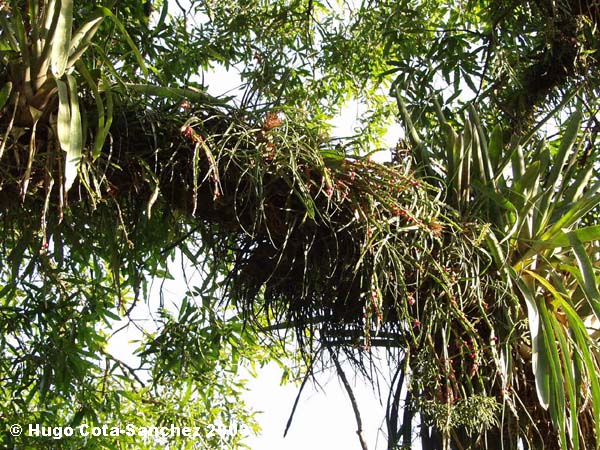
(348, 388)
(306, 377)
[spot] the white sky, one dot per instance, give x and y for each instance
(323, 419)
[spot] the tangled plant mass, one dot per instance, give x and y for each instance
(467, 259)
(341, 248)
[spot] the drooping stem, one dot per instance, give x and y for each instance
(342, 375)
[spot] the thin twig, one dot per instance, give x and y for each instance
(128, 368)
(306, 377)
(10, 126)
(348, 388)
(393, 404)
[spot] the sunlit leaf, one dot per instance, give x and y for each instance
(566, 143)
(539, 356)
(82, 38)
(64, 116)
(61, 40)
(75, 143)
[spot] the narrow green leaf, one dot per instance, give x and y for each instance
(51, 16)
(572, 215)
(585, 234)
(557, 383)
(547, 199)
(439, 112)
(176, 93)
(583, 344)
(21, 36)
(104, 121)
(577, 188)
(421, 152)
(86, 31)
(108, 13)
(64, 116)
(518, 162)
(483, 155)
(5, 93)
(465, 163)
(332, 158)
(82, 38)
(75, 147)
(156, 190)
(566, 356)
(590, 284)
(103, 133)
(77, 418)
(8, 40)
(458, 167)
(529, 179)
(545, 283)
(450, 142)
(76, 133)
(566, 98)
(495, 249)
(309, 204)
(566, 145)
(479, 172)
(539, 357)
(495, 147)
(61, 41)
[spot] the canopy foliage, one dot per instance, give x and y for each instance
(471, 257)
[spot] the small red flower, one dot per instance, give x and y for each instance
(473, 370)
(185, 105)
(416, 323)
